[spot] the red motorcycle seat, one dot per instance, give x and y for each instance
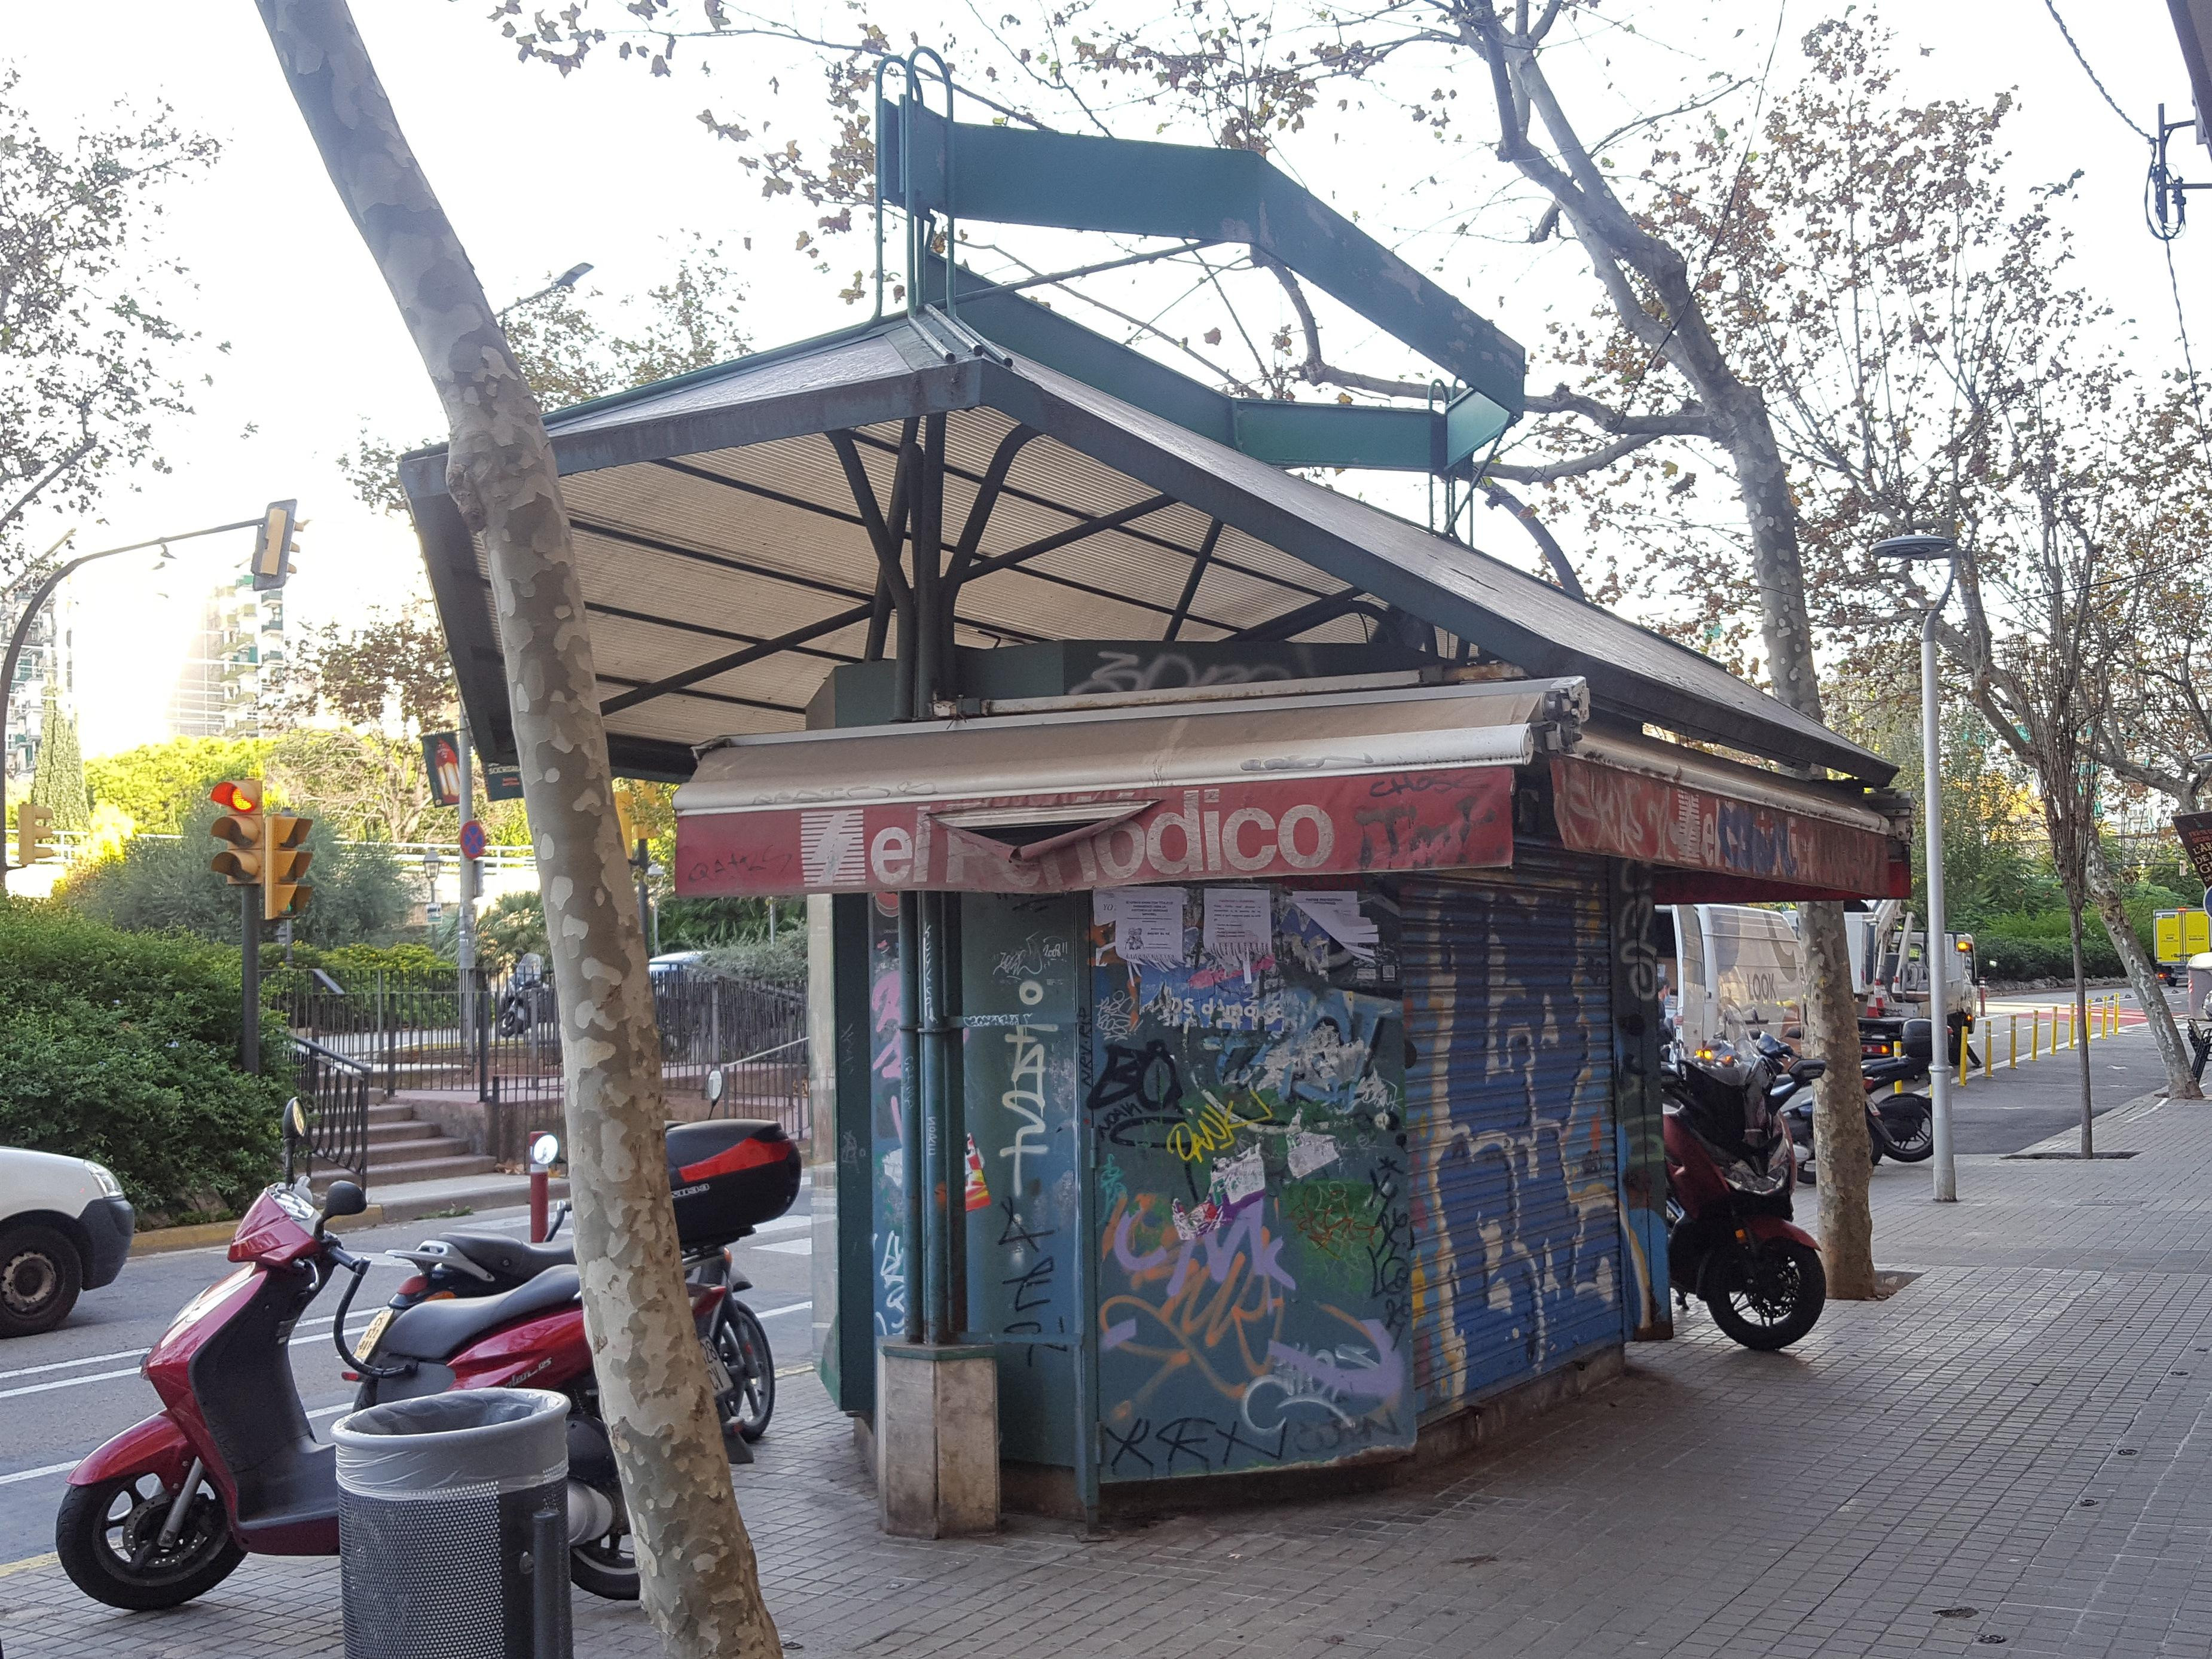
(439, 1330)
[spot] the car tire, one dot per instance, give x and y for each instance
(41, 1275)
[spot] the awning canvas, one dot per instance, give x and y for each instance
(1718, 833)
(1121, 793)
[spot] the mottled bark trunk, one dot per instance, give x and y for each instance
(1841, 1150)
(699, 1581)
(2143, 979)
(1620, 247)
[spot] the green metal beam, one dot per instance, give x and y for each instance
(1015, 175)
(1281, 434)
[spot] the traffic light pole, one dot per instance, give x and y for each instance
(45, 590)
(249, 1028)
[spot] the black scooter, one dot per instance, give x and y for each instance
(1899, 1126)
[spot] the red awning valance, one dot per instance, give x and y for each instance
(1261, 830)
(1714, 836)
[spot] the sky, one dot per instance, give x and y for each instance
(538, 172)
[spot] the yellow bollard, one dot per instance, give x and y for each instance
(1989, 1058)
(2070, 1033)
(2012, 1063)
(1963, 1048)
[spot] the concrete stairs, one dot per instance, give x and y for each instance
(414, 1171)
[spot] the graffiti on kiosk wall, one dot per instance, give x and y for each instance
(1166, 670)
(1254, 1250)
(1515, 1208)
(1020, 980)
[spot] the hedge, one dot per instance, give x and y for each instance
(2018, 956)
(122, 1046)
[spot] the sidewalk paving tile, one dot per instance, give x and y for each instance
(1916, 1477)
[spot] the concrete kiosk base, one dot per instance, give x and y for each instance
(936, 1440)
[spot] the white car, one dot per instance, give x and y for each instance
(64, 1227)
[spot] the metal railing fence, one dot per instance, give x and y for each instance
(729, 1048)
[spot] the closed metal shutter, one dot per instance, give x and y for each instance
(1510, 1117)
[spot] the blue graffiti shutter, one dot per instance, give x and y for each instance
(1508, 1107)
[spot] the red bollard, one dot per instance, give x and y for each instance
(541, 1184)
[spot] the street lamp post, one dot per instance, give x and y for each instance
(1922, 546)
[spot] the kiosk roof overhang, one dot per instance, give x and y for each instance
(726, 557)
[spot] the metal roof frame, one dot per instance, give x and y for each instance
(1231, 547)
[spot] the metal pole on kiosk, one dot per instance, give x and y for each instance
(464, 945)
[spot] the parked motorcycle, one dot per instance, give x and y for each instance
(165, 1511)
(1899, 1126)
(730, 1176)
(1730, 1167)
(528, 1000)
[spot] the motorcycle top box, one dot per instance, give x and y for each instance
(729, 1176)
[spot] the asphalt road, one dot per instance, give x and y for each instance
(65, 1393)
(2020, 1105)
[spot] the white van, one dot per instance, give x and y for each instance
(1731, 969)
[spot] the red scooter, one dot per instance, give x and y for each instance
(1730, 1239)
(165, 1511)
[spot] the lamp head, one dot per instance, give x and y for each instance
(573, 275)
(1915, 544)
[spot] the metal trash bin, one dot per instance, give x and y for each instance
(453, 1526)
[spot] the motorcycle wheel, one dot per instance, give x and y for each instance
(606, 1566)
(1908, 1127)
(1766, 1301)
(108, 1537)
(741, 1342)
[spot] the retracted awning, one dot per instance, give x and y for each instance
(1720, 833)
(1113, 791)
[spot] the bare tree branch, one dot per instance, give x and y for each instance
(1689, 422)
(1551, 472)
(1541, 533)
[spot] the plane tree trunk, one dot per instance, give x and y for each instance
(699, 1581)
(1653, 294)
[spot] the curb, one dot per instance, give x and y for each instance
(162, 1239)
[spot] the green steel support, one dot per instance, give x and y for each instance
(1280, 433)
(1016, 175)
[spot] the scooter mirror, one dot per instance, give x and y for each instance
(344, 1198)
(295, 1119)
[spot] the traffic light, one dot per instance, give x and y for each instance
(284, 860)
(241, 831)
(35, 833)
(273, 546)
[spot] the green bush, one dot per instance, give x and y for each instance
(2040, 955)
(121, 1046)
(780, 960)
